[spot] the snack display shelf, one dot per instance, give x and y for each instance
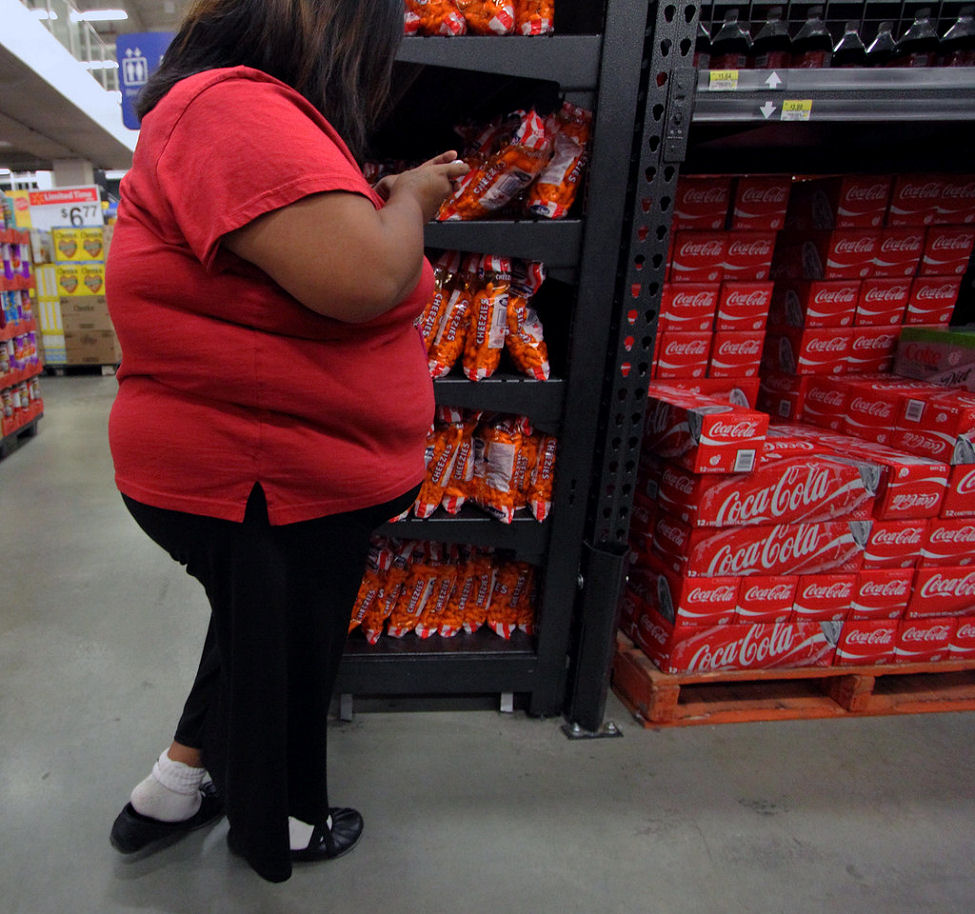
(17, 377)
(540, 401)
(855, 95)
(556, 243)
(570, 60)
(15, 431)
(525, 536)
(17, 328)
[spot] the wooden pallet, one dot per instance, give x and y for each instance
(659, 699)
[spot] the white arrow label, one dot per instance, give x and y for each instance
(773, 82)
(767, 109)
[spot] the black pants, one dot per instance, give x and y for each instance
(280, 600)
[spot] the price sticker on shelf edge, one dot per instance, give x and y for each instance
(61, 207)
(797, 109)
(723, 80)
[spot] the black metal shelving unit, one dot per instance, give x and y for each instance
(595, 58)
(875, 121)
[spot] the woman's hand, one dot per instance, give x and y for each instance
(429, 184)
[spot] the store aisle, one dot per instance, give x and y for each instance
(465, 812)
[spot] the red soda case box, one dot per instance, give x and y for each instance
(945, 591)
(702, 433)
(783, 395)
(881, 593)
(823, 597)
(910, 487)
(956, 205)
(944, 357)
(923, 640)
(748, 256)
(767, 598)
(851, 201)
(939, 424)
(778, 491)
(807, 351)
(736, 391)
(815, 303)
(962, 644)
(882, 302)
(688, 306)
(825, 404)
(682, 354)
(895, 543)
(701, 201)
(950, 542)
(698, 256)
(947, 250)
(960, 497)
(899, 252)
(872, 350)
(802, 548)
(932, 301)
(866, 642)
(743, 305)
(914, 199)
(761, 202)
(871, 411)
(736, 353)
(840, 254)
(697, 601)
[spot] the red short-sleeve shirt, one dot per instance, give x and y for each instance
(226, 379)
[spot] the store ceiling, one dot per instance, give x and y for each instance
(38, 124)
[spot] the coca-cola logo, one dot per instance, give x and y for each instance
(881, 590)
(722, 594)
(966, 631)
(876, 409)
(680, 482)
(931, 292)
(935, 633)
(889, 536)
(797, 488)
(695, 347)
(826, 344)
(885, 296)
(690, 300)
(928, 190)
(757, 248)
(672, 532)
(917, 442)
(742, 428)
(877, 343)
(952, 243)
(961, 191)
(867, 193)
(653, 631)
(877, 637)
(904, 501)
(845, 295)
(836, 590)
(776, 593)
(701, 249)
(966, 485)
(757, 299)
(941, 585)
(923, 355)
(775, 194)
(864, 245)
(833, 398)
(704, 195)
(787, 545)
(953, 536)
(760, 645)
(749, 347)
(909, 244)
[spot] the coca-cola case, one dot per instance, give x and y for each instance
(767, 597)
(736, 391)
(924, 640)
(882, 302)
(851, 201)
(946, 591)
(748, 256)
(688, 306)
(866, 642)
(698, 256)
(761, 202)
(814, 304)
(882, 593)
(945, 357)
(824, 597)
(947, 250)
(682, 354)
(899, 252)
(932, 300)
(939, 424)
(743, 305)
(736, 353)
(895, 543)
(960, 497)
(698, 601)
(872, 350)
(783, 396)
(701, 202)
(839, 254)
(962, 644)
(915, 199)
(957, 203)
(807, 351)
(950, 542)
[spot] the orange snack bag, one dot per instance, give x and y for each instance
(444, 271)
(474, 600)
(447, 344)
(417, 589)
(443, 447)
(525, 340)
(488, 17)
(459, 486)
(488, 324)
(393, 565)
(534, 17)
(504, 175)
(443, 560)
(437, 17)
(522, 598)
(543, 478)
(502, 617)
(554, 190)
(521, 479)
(496, 453)
(411, 21)
(368, 596)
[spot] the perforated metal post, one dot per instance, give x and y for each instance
(660, 141)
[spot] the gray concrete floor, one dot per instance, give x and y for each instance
(465, 812)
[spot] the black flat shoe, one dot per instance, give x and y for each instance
(325, 843)
(133, 831)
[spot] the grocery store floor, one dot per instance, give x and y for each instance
(466, 811)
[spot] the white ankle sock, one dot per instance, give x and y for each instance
(300, 832)
(171, 793)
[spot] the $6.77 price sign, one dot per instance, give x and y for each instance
(63, 207)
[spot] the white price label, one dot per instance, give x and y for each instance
(796, 109)
(64, 207)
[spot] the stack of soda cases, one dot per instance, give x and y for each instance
(20, 400)
(772, 44)
(846, 535)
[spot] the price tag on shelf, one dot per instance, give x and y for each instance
(723, 80)
(797, 109)
(65, 207)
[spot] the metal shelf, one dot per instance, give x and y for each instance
(557, 243)
(881, 95)
(478, 663)
(526, 536)
(541, 401)
(570, 60)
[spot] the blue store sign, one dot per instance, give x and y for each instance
(139, 55)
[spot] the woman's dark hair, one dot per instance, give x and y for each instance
(337, 53)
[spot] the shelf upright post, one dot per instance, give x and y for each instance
(659, 144)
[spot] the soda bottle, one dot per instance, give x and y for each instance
(919, 45)
(702, 47)
(958, 43)
(850, 51)
(731, 44)
(881, 49)
(813, 45)
(772, 47)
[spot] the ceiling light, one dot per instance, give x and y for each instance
(99, 16)
(100, 64)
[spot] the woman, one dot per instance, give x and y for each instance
(273, 396)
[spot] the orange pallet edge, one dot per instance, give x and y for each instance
(658, 699)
